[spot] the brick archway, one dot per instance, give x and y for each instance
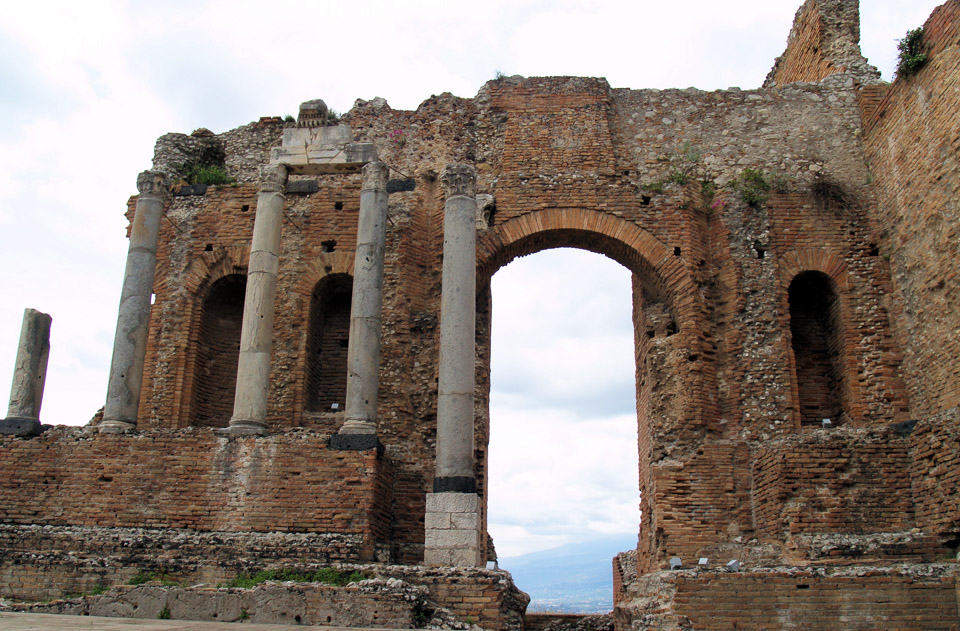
(661, 272)
(675, 381)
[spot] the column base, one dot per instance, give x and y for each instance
(20, 426)
(453, 530)
(455, 484)
(355, 442)
(245, 428)
(115, 426)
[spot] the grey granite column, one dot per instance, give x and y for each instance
(256, 332)
(458, 313)
(133, 319)
(359, 429)
(29, 375)
(453, 509)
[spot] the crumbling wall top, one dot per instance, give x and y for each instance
(824, 40)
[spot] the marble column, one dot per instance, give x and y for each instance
(29, 375)
(359, 429)
(133, 319)
(256, 331)
(453, 509)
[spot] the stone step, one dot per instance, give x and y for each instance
(55, 622)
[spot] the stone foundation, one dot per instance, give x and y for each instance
(453, 535)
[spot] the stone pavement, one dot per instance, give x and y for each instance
(55, 622)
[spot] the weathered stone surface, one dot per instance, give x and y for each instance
(133, 320)
(363, 351)
(256, 338)
(29, 375)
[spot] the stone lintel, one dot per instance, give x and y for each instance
(322, 150)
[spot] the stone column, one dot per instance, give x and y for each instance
(256, 332)
(29, 375)
(359, 429)
(133, 319)
(453, 509)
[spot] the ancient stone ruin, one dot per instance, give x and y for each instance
(301, 369)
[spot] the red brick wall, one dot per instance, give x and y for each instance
(912, 143)
(193, 479)
(804, 59)
(802, 600)
(832, 482)
(935, 474)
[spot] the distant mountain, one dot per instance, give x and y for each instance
(575, 578)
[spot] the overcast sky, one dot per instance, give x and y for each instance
(87, 87)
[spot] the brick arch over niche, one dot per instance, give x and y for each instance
(201, 277)
(326, 268)
(823, 356)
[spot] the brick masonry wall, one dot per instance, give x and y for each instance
(585, 184)
(912, 140)
(935, 474)
(193, 479)
(801, 600)
(838, 481)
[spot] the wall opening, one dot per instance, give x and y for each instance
(816, 330)
(562, 464)
(218, 351)
(327, 337)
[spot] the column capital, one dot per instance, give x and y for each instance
(375, 176)
(459, 179)
(153, 183)
(273, 178)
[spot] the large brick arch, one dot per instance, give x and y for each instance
(684, 376)
(661, 272)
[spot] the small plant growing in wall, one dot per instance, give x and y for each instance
(912, 53)
(832, 194)
(398, 137)
(753, 186)
(164, 613)
(684, 162)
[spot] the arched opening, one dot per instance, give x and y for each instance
(563, 459)
(326, 350)
(218, 351)
(816, 331)
(675, 377)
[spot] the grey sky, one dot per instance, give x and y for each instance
(88, 87)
